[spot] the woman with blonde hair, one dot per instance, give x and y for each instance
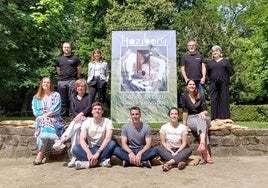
(219, 72)
(80, 110)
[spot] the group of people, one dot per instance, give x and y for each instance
(91, 134)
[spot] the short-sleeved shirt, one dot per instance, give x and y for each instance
(96, 133)
(173, 135)
(193, 65)
(136, 137)
(68, 67)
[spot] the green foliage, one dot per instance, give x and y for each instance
(249, 113)
(31, 34)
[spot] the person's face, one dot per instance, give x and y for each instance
(66, 48)
(81, 89)
(191, 86)
(135, 116)
(97, 111)
(46, 84)
(216, 53)
(97, 55)
(174, 115)
(191, 46)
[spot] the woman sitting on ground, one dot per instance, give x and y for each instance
(195, 116)
(80, 110)
(174, 148)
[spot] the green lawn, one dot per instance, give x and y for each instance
(250, 124)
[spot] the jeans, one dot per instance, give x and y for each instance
(80, 153)
(123, 155)
(166, 155)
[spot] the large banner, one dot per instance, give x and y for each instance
(143, 74)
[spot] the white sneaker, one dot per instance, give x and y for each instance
(81, 165)
(106, 163)
(72, 162)
(57, 145)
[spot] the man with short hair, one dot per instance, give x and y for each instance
(96, 145)
(136, 142)
(193, 66)
(68, 68)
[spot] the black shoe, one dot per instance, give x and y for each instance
(146, 164)
(125, 163)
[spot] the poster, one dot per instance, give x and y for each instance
(143, 74)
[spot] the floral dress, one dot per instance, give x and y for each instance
(49, 128)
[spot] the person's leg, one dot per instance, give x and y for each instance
(71, 91)
(163, 153)
(102, 94)
(182, 155)
(224, 102)
(80, 153)
(108, 151)
(214, 100)
(92, 93)
(62, 89)
(121, 154)
(149, 154)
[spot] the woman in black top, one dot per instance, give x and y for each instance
(195, 116)
(219, 72)
(80, 110)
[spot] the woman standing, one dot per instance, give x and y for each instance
(174, 148)
(49, 124)
(80, 110)
(97, 76)
(219, 72)
(195, 116)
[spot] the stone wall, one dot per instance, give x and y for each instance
(18, 141)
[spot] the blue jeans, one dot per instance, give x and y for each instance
(123, 155)
(80, 153)
(166, 155)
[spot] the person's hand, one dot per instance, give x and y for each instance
(202, 115)
(202, 81)
(132, 158)
(138, 159)
(94, 159)
(39, 118)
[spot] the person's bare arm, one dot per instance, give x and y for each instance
(204, 72)
(79, 71)
(58, 70)
(184, 74)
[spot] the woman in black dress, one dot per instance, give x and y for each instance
(219, 71)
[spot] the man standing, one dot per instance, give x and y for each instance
(193, 66)
(96, 146)
(68, 68)
(136, 142)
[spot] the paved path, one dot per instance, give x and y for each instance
(230, 172)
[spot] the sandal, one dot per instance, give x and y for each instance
(201, 148)
(207, 158)
(166, 167)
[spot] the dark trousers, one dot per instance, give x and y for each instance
(97, 86)
(66, 90)
(219, 96)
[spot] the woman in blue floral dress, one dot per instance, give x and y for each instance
(49, 124)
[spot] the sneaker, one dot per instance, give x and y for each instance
(72, 162)
(81, 165)
(146, 164)
(57, 145)
(106, 163)
(125, 163)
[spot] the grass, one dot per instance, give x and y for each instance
(250, 124)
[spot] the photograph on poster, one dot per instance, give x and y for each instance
(143, 68)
